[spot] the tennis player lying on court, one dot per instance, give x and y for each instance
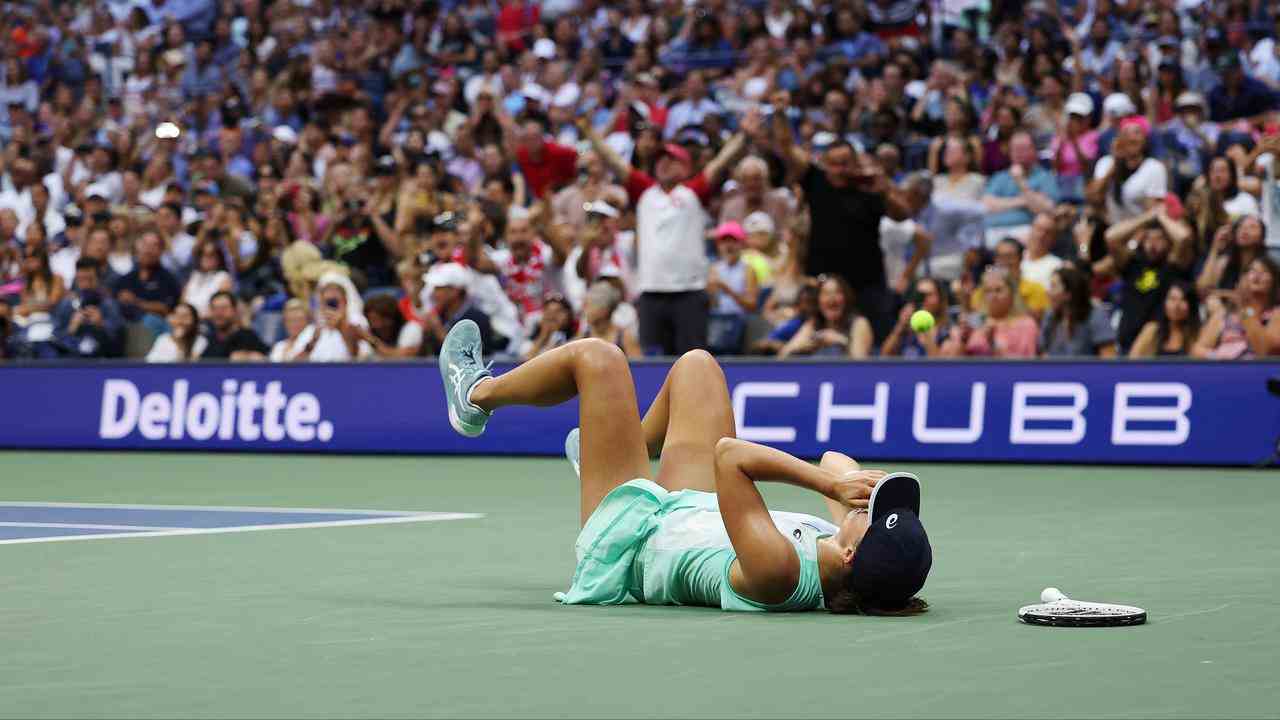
(699, 533)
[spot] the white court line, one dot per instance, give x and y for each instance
(215, 508)
(86, 526)
(420, 517)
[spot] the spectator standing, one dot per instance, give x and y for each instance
(183, 342)
(671, 256)
(847, 197)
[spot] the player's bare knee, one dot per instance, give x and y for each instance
(699, 361)
(726, 448)
(599, 357)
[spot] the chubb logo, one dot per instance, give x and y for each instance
(240, 413)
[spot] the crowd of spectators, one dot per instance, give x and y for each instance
(327, 180)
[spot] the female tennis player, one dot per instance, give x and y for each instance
(699, 533)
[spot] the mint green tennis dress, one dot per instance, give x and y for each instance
(671, 548)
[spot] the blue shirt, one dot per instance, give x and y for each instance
(1002, 185)
(857, 47)
(1254, 98)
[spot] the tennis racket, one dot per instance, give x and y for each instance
(1058, 610)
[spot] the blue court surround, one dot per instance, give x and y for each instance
(35, 522)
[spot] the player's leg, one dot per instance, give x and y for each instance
(597, 372)
(840, 464)
(692, 412)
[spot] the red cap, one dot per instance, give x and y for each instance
(677, 152)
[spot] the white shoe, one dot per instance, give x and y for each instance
(573, 450)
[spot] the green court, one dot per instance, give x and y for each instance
(456, 618)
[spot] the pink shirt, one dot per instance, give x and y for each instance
(1013, 339)
(1067, 163)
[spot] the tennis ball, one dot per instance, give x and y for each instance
(921, 321)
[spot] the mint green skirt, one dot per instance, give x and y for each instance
(608, 544)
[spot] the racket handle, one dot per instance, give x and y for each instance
(1052, 594)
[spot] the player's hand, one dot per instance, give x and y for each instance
(853, 490)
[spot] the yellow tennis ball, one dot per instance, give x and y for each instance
(921, 321)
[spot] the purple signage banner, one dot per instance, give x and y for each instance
(1166, 413)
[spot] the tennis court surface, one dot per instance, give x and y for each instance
(236, 585)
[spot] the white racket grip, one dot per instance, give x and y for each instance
(1052, 594)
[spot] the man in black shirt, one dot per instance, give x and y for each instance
(149, 292)
(1163, 256)
(229, 340)
(847, 197)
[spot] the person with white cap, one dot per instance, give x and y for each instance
(1115, 107)
(598, 248)
(447, 296)
(568, 207)
(1075, 146)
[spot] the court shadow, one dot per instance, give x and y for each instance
(519, 601)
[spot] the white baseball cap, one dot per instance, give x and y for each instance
(545, 49)
(285, 134)
(600, 207)
(1188, 98)
(448, 275)
(1118, 104)
(1079, 104)
(758, 222)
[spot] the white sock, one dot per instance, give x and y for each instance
(473, 389)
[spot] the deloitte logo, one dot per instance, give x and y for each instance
(241, 413)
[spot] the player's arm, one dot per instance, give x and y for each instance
(768, 564)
